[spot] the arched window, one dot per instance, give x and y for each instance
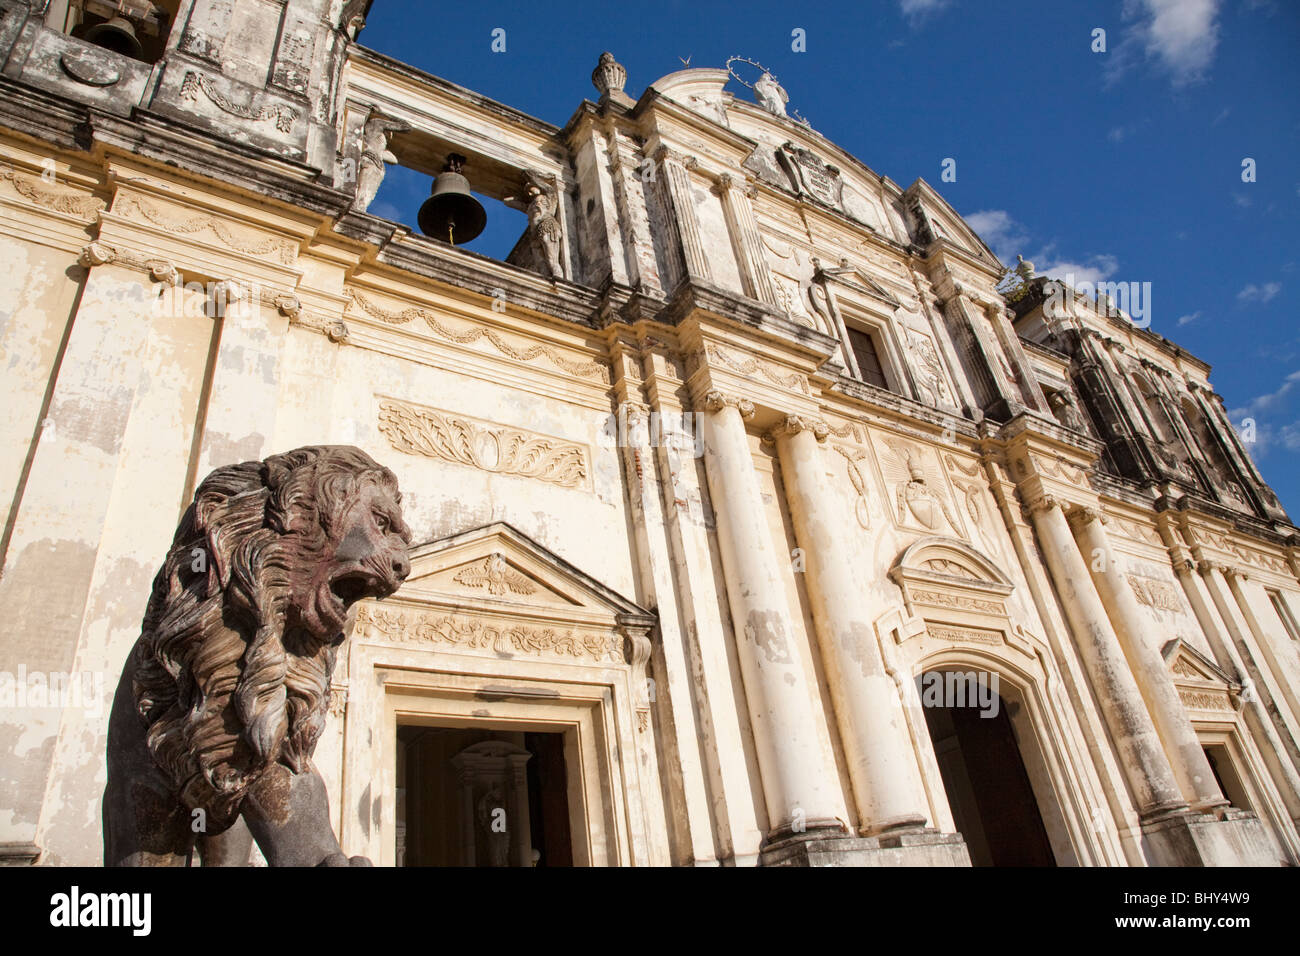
(1207, 441)
(1155, 409)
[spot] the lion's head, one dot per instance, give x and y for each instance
(247, 612)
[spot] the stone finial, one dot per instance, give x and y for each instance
(609, 76)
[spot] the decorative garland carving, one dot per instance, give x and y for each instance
(861, 507)
(493, 448)
(1135, 531)
(849, 430)
(132, 207)
(34, 190)
(284, 116)
(1060, 468)
(401, 626)
(749, 366)
(1224, 543)
(584, 369)
(955, 465)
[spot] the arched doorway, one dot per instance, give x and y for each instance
(983, 771)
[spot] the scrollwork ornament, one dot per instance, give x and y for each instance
(794, 424)
(1043, 503)
(716, 401)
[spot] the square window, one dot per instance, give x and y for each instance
(867, 355)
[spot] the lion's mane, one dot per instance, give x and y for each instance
(228, 680)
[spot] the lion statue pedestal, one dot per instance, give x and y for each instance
(225, 694)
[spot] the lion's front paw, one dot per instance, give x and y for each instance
(360, 861)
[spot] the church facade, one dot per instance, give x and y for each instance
(759, 521)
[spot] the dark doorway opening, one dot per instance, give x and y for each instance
(988, 789)
(469, 796)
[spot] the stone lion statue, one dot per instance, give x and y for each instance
(225, 694)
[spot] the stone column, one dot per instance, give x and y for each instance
(521, 837)
(988, 379)
(677, 183)
(240, 415)
(800, 788)
(1153, 678)
(1255, 706)
(62, 509)
(746, 242)
(872, 725)
(1283, 676)
(1143, 760)
(467, 831)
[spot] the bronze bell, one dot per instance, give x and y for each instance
(450, 212)
(118, 35)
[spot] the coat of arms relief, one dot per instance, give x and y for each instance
(916, 484)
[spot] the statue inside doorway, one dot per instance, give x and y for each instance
(226, 692)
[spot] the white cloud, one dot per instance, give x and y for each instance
(1259, 293)
(1267, 437)
(1269, 400)
(1004, 235)
(1008, 238)
(1188, 319)
(1094, 269)
(1291, 436)
(917, 10)
(1116, 135)
(1181, 34)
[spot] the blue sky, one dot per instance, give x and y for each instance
(1124, 165)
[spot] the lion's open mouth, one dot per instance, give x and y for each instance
(352, 586)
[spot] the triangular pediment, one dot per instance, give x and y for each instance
(1190, 665)
(1204, 688)
(859, 280)
(495, 592)
(939, 222)
(499, 570)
